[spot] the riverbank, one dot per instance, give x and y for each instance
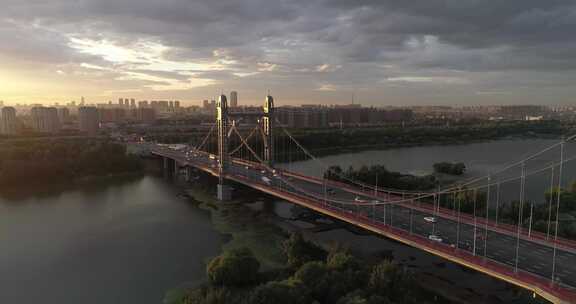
(333, 141)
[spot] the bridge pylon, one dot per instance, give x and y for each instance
(224, 191)
(268, 128)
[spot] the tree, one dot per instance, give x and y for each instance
(311, 272)
(342, 261)
(298, 251)
(233, 268)
(390, 280)
(284, 292)
(450, 168)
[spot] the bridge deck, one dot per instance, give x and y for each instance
(494, 255)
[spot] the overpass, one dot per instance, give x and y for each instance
(532, 260)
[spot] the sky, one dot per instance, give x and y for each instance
(377, 52)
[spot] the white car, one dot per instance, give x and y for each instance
(359, 200)
(375, 201)
(430, 219)
(435, 238)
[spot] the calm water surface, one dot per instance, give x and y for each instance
(122, 242)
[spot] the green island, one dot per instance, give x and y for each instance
(543, 213)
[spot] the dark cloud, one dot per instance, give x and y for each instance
(280, 43)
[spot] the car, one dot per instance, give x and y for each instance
(430, 219)
(331, 191)
(375, 201)
(263, 171)
(359, 200)
(435, 238)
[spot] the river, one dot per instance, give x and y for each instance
(117, 242)
(129, 241)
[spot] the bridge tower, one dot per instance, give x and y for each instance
(268, 127)
(224, 191)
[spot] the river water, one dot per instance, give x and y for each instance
(118, 242)
(129, 241)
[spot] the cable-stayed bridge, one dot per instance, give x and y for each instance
(439, 222)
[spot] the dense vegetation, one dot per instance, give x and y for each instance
(51, 161)
(450, 168)
(509, 212)
(312, 275)
(379, 173)
(391, 137)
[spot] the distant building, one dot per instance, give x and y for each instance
(45, 119)
(8, 121)
(176, 104)
(132, 103)
(143, 104)
(145, 115)
(112, 115)
(520, 112)
(88, 120)
(209, 106)
(234, 99)
(64, 115)
(302, 117)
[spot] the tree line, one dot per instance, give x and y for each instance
(32, 162)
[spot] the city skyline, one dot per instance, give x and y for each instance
(380, 52)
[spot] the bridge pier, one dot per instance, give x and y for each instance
(188, 174)
(167, 166)
(224, 192)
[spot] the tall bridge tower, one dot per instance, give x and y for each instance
(267, 127)
(223, 117)
(224, 191)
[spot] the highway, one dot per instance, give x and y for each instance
(534, 256)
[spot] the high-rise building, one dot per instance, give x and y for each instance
(143, 104)
(8, 121)
(171, 104)
(176, 104)
(233, 99)
(1, 103)
(120, 101)
(132, 103)
(45, 119)
(145, 115)
(64, 115)
(88, 120)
